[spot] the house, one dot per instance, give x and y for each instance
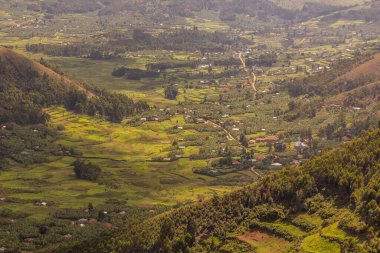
(300, 145)
(346, 139)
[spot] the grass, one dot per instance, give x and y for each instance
(124, 153)
(334, 232)
(317, 244)
(287, 228)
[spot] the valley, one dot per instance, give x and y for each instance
(173, 105)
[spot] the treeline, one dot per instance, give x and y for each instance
(134, 74)
(264, 60)
(95, 52)
(182, 40)
(112, 106)
(67, 6)
(349, 174)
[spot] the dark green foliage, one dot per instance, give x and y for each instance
(26, 145)
(171, 92)
(86, 170)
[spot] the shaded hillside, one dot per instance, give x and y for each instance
(27, 86)
(333, 199)
(19, 68)
(344, 75)
(351, 89)
(369, 68)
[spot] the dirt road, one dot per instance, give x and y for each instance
(253, 78)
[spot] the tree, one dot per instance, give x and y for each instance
(191, 230)
(171, 92)
(90, 207)
(243, 140)
(86, 171)
(167, 229)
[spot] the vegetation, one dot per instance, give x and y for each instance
(86, 171)
(321, 184)
(113, 112)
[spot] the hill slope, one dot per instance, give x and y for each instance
(370, 67)
(329, 204)
(27, 86)
(16, 64)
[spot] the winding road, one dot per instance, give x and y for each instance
(254, 77)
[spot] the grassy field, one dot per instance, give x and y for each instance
(124, 153)
(317, 244)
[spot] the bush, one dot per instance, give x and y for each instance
(86, 171)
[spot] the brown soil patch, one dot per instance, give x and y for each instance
(253, 236)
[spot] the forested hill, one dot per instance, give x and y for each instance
(27, 86)
(333, 199)
(161, 10)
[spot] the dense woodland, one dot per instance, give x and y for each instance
(348, 176)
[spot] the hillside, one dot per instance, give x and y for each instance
(38, 86)
(369, 68)
(16, 64)
(299, 4)
(329, 204)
